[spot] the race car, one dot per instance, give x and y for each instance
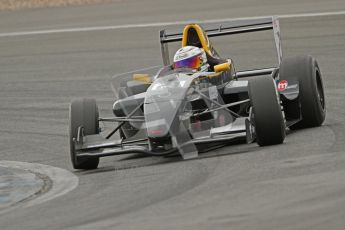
(168, 111)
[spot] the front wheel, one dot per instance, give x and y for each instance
(267, 114)
(311, 92)
(83, 112)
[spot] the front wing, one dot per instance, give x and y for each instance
(95, 146)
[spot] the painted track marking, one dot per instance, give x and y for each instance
(143, 25)
(63, 181)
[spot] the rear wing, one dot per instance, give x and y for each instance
(227, 28)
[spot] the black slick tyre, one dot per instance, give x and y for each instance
(311, 90)
(83, 112)
(268, 118)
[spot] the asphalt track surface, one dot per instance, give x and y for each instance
(296, 185)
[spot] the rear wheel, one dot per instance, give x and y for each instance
(268, 118)
(83, 113)
(311, 92)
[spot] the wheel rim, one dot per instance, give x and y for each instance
(320, 92)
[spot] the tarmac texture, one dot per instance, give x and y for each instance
(296, 185)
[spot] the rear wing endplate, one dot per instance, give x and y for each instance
(228, 28)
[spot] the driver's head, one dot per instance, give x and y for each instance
(191, 57)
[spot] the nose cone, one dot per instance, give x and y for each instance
(160, 117)
(163, 102)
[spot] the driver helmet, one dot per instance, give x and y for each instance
(191, 57)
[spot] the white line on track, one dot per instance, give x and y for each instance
(63, 181)
(127, 26)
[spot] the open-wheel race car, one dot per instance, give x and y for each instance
(179, 110)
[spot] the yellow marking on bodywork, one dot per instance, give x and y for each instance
(142, 77)
(210, 76)
(222, 67)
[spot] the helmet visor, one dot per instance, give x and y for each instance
(192, 62)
